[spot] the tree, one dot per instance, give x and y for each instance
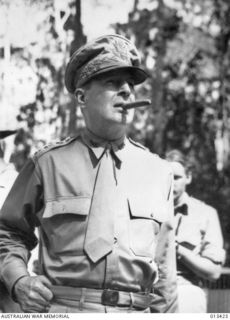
(42, 107)
(74, 23)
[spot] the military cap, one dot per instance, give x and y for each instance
(6, 133)
(101, 55)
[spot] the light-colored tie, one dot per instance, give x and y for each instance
(100, 230)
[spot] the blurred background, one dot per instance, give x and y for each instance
(184, 46)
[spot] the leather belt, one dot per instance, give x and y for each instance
(105, 297)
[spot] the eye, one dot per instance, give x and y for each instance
(110, 82)
(131, 84)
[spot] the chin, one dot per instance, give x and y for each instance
(127, 119)
(122, 120)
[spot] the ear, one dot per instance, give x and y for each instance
(80, 96)
(188, 178)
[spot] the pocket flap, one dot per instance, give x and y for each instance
(148, 209)
(79, 206)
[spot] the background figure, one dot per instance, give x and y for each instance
(8, 175)
(199, 242)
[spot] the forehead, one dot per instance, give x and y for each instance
(178, 168)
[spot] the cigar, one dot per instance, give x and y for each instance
(136, 104)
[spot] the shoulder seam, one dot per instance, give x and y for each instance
(53, 145)
(137, 144)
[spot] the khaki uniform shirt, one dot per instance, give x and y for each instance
(54, 192)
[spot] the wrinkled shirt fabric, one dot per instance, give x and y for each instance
(54, 191)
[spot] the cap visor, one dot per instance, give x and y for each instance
(137, 74)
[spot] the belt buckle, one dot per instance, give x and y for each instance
(110, 297)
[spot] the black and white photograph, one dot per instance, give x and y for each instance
(114, 158)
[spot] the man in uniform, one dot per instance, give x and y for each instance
(200, 253)
(102, 203)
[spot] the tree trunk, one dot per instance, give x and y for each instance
(79, 37)
(158, 88)
(79, 40)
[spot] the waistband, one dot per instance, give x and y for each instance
(105, 297)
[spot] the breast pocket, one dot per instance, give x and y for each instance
(144, 226)
(64, 222)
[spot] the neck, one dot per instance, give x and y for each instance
(108, 135)
(180, 200)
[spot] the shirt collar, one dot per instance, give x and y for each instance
(98, 144)
(182, 206)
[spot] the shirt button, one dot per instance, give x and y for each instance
(115, 240)
(151, 215)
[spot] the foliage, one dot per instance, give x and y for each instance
(32, 73)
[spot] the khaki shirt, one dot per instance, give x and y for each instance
(54, 192)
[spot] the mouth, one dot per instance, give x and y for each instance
(120, 108)
(133, 104)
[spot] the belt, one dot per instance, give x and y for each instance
(105, 297)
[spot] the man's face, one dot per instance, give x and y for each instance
(181, 180)
(101, 97)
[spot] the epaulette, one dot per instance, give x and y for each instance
(53, 145)
(137, 144)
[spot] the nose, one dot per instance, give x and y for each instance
(125, 90)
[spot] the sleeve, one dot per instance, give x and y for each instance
(165, 289)
(212, 244)
(17, 225)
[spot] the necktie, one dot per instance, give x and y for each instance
(183, 209)
(178, 213)
(100, 230)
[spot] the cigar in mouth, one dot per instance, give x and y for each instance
(135, 104)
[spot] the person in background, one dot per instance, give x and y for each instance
(103, 204)
(8, 175)
(199, 241)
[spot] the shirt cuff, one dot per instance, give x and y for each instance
(12, 273)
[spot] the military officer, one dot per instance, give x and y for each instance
(103, 203)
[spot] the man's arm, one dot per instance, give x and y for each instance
(165, 289)
(17, 238)
(208, 261)
(201, 266)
